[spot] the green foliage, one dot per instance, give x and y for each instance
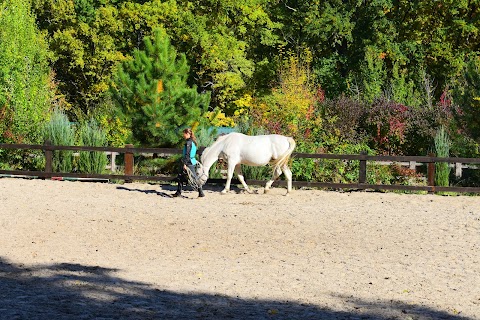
(116, 131)
(154, 166)
(86, 39)
(90, 134)
(223, 39)
(304, 169)
(404, 90)
(206, 136)
(152, 93)
(60, 132)
(257, 173)
(24, 74)
(392, 71)
(327, 170)
(442, 149)
(373, 75)
(466, 96)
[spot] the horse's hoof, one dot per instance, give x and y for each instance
(250, 191)
(266, 190)
(223, 192)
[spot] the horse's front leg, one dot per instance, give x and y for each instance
(241, 178)
(230, 169)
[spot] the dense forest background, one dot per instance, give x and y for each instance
(386, 76)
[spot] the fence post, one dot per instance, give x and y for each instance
(128, 163)
(458, 169)
(431, 174)
(362, 176)
(412, 165)
(48, 157)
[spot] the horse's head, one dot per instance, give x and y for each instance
(202, 176)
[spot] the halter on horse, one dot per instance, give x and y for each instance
(237, 148)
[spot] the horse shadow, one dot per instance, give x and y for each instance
(76, 291)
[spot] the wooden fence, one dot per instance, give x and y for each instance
(130, 150)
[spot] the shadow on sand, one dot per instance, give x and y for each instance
(159, 193)
(168, 190)
(73, 291)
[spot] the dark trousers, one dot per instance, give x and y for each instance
(182, 177)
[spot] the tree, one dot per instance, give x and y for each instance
(223, 40)
(152, 93)
(84, 37)
(466, 97)
(24, 74)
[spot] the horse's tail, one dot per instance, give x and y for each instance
(284, 158)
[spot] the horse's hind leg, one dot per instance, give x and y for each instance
(276, 173)
(288, 175)
(241, 178)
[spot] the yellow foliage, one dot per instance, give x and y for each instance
(194, 125)
(219, 119)
(296, 92)
(160, 86)
(117, 131)
(291, 103)
(243, 105)
(159, 89)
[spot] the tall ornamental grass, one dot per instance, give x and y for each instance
(90, 134)
(442, 148)
(60, 132)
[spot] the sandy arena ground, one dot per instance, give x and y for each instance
(82, 250)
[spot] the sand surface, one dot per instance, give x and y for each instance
(83, 250)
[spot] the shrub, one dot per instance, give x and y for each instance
(90, 134)
(344, 117)
(442, 148)
(60, 132)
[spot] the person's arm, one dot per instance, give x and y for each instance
(188, 150)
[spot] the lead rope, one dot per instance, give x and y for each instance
(193, 180)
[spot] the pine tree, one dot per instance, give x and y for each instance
(152, 92)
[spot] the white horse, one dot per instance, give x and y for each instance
(237, 148)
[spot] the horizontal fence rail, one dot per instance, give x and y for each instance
(130, 150)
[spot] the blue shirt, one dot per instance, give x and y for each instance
(189, 152)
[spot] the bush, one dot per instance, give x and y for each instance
(344, 117)
(60, 132)
(442, 148)
(154, 166)
(328, 170)
(90, 134)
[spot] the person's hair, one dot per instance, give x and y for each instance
(190, 132)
